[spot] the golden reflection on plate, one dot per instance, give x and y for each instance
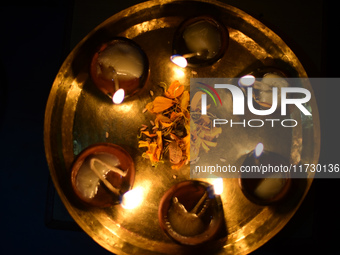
(79, 115)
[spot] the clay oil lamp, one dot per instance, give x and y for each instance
(191, 212)
(101, 174)
(200, 41)
(119, 69)
(266, 179)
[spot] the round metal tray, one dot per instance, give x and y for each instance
(79, 115)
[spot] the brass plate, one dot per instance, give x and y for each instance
(78, 115)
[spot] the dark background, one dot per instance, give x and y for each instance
(35, 39)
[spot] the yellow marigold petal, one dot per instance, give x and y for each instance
(159, 139)
(152, 152)
(185, 99)
(143, 144)
(206, 119)
(209, 143)
(195, 100)
(149, 107)
(147, 133)
(205, 147)
(161, 104)
(175, 115)
(165, 124)
(215, 131)
(175, 90)
(163, 118)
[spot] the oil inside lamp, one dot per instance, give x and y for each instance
(269, 186)
(187, 223)
(119, 69)
(202, 36)
(93, 171)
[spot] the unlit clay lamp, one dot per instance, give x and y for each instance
(200, 41)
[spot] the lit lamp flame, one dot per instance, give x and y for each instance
(258, 150)
(218, 186)
(247, 80)
(133, 198)
(118, 96)
(179, 60)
